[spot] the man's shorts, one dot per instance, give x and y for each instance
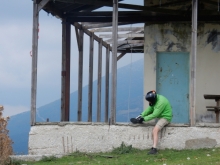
(162, 122)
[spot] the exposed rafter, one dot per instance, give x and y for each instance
(130, 46)
(172, 3)
(122, 35)
(120, 29)
(42, 4)
(158, 12)
(91, 25)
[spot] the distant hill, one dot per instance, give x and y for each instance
(129, 104)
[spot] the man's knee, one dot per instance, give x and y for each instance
(156, 129)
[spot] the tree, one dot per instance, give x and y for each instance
(5, 142)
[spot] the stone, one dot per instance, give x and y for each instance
(200, 143)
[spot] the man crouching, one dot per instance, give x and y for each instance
(159, 107)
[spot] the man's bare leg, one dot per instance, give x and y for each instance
(155, 136)
(155, 140)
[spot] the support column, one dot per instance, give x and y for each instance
(34, 62)
(193, 63)
(107, 83)
(80, 75)
(99, 82)
(91, 54)
(65, 80)
(114, 61)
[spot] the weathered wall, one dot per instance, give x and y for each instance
(177, 38)
(70, 137)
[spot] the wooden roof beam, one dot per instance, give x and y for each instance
(127, 42)
(109, 13)
(121, 5)
(121, 55)
(77, 25)
(130, 45)
(171, 3)
(119, 29)
(42, 4)
(133, 50)
(53, 10)
(150, 19)
(132, 35)
(91, 25)
(210, 2)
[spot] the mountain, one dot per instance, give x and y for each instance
(129, 103)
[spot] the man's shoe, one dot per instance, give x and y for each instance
(152, 151)
(138, 120)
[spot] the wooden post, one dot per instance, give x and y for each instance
(91, 54)
(114, 61)
(121, 55)
(34, 62)
(193, 63)
(80, 75)
(99, 82)
(107, 83)
(65, 80)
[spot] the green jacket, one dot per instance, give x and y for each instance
(161, 109)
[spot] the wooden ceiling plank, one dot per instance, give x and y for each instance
(133, 50)
(210, 2)
(127, 41)
(130, 20)
(53, 10)
(109, 13)
(130, 45)
(121, 35)
(119, 29)
(171, 3)
(129, 38)
(147, 8)
(122, 5)
(152, 19)
(91, 25)
(130, 42)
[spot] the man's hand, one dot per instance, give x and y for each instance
(138, 117)
(138, 120)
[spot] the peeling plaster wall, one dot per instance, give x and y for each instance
(64, 139)
(177, 38)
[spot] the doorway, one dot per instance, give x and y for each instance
(172, 81)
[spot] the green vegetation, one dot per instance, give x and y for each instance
(126, 155)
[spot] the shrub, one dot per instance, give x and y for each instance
(5, 141)
(48, 158)
(123, 149)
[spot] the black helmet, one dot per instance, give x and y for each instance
(151, 97)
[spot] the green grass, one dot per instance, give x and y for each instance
(126, 155)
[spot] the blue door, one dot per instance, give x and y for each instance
(172, 81)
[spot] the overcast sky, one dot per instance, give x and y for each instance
(15, 57)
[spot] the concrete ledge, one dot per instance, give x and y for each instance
(84, 137)
(118, 124)
(211, 125)
(32, 157)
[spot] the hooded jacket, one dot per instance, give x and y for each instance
(161, 109)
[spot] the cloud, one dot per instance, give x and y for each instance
(13, 110)
(15, 45)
